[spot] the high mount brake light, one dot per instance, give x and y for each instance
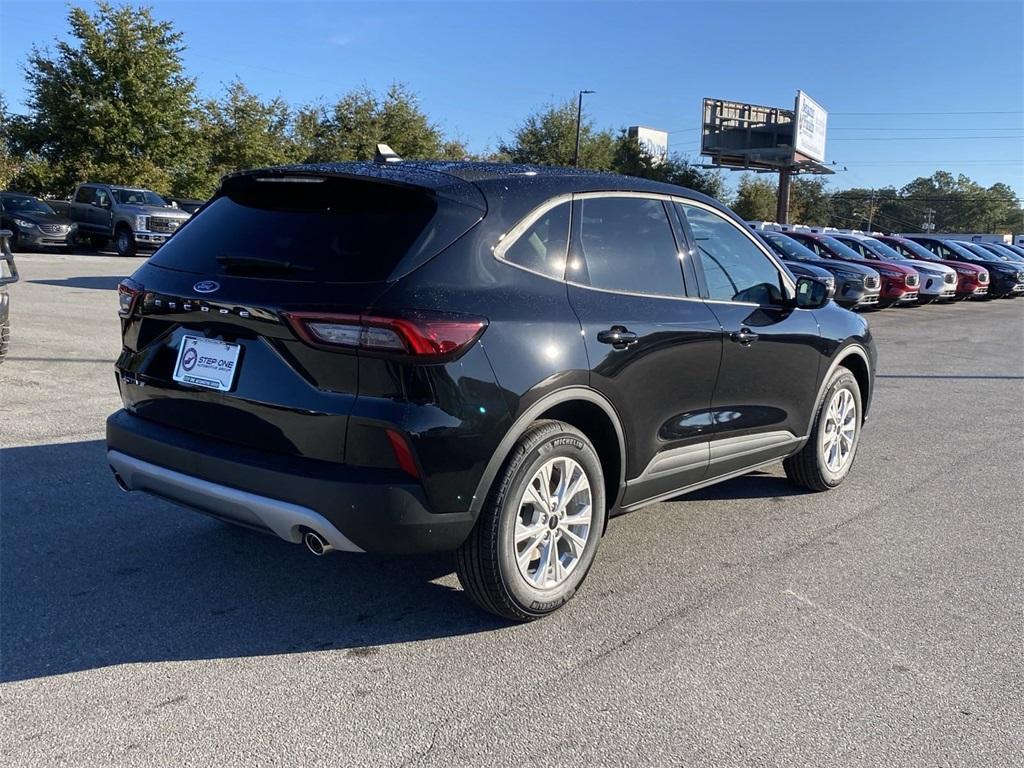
(128, 293)
(423, 334)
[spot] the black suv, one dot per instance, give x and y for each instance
(491, 359)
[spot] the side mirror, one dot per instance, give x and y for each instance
(812, 294)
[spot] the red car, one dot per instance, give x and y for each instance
(972, 279)
(899, 283)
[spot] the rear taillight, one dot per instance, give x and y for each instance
(426, 334)
(128, 293)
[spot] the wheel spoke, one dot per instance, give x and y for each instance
(534, 497)
(543, 563)
(545, 484)
(576, 542)
(581, 517)
(571, 491)
(524, 532)
(556, 562)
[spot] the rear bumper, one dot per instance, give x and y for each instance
(355, 509)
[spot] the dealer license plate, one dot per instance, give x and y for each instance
(206, 363)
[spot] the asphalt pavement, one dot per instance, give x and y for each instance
(746, 624)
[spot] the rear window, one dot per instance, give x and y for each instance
(321, 229)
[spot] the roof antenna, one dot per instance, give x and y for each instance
(385, 155)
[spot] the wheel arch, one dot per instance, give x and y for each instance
(588, 411)
(854, 358)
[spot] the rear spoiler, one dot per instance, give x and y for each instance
(6, 255)
(401, 175)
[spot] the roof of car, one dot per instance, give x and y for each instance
(439, 174)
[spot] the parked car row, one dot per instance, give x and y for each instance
(876, 270)
(98, 214)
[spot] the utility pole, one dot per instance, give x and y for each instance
(782, 198)
(871, 210)
(579, 123)
(929, 220)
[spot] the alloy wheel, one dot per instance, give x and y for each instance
(553, 523)
(840, 430)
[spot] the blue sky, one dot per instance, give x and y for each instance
(479, 68)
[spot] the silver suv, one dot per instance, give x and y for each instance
(132, 218)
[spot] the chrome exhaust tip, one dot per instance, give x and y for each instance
(120, 481)
(317, 544)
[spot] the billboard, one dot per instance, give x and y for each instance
(652, 141)
(811, 124)
(740, 135)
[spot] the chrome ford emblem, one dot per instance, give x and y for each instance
(205, 286)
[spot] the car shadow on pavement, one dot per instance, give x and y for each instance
(756, 485)
(91, 577)
(99, 282)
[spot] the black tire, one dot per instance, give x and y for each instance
(12, 241)
(807, 468)
(97, 242)
(486, 561)
(124, 242)
(5, 337)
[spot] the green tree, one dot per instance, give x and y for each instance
(114, 102)
(356, 123)
(241, 131)
(548, 137)
(755, 198)
(9, 164)
(632, 159)
(809, 202)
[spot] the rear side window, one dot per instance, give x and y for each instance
(627, 245)
(734, 267)
(85, 195)
(329, 230)
(543, 245)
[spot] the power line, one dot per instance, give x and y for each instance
(924, 128)
(922, 138)
(972, 112)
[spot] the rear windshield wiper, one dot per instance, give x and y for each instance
(259, 263)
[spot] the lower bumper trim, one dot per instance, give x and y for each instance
(283, 518)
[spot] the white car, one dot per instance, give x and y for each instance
(938, 281)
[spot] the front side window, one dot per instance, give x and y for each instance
(543, 245)
(627, 245)
(85, 195)
(734, 267)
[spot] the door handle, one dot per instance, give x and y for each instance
(744, 337)
(618, 336)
